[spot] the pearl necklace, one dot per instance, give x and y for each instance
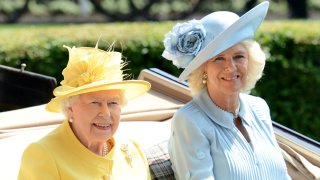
(105, 149)
(235, 113)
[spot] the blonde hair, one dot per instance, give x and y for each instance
(256, 63)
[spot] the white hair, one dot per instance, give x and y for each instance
(256, 63)
(69, 101)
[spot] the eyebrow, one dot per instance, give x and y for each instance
(108, 98)
(241, 51)
(234, 53)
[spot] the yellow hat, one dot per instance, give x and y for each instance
(93, 69)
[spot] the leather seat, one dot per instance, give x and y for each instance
(20, 89)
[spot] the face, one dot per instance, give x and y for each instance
(227, 71)
(95, 115)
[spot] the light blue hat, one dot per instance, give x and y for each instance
(189, 45)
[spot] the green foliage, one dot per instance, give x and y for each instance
(63, 7)
(291, 80)
(292, 73)
(7, 6)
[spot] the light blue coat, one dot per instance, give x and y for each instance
(205, 143)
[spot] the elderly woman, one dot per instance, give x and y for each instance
(85, 146)
(223, 133)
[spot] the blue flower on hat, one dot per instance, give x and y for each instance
(184, 42)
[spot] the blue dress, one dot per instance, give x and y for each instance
(205, 143)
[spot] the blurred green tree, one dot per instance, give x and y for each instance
(137, 10)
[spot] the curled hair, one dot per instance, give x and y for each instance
(256, 63)
(195, 80)
(69, 101)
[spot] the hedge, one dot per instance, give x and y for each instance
(289, 85)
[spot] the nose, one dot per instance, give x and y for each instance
(229, 65)
(105, 111)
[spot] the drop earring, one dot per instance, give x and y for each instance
(204, 78)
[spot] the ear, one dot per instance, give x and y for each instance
(70, 112)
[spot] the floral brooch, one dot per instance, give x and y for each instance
(184, 42)
(125, 149)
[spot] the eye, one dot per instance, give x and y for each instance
(218, 59)
(113, 102)
(95, 102)
(239, 57)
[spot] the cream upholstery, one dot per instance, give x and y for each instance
(145, 119)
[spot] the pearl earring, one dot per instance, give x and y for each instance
(204, 78)
(70, 120)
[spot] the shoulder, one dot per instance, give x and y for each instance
(188, 111)
(253, 100)
(44, 149)
(188, 115)
(124, 140)
(34, 148)
(128, 146)
(53, 139)
(192, 118)
(132, 153)
(256, 103)
(37, 161)
(37, 151)
(190, 107)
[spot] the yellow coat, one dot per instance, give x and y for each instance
(60, 155)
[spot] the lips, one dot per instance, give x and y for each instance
(231, 78)
(102, 126)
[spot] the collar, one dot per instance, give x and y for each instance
(122, 147)
(219, 116)
(82, 152)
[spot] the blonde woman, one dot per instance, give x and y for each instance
(222, 133)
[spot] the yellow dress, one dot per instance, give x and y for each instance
(60, 155)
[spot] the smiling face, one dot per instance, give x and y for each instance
(95, 115)
(227, 71)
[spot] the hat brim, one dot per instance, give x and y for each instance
(131, 89)
(243, 28)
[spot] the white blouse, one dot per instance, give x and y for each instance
(205, 143)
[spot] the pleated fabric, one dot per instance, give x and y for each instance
(205, 143)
